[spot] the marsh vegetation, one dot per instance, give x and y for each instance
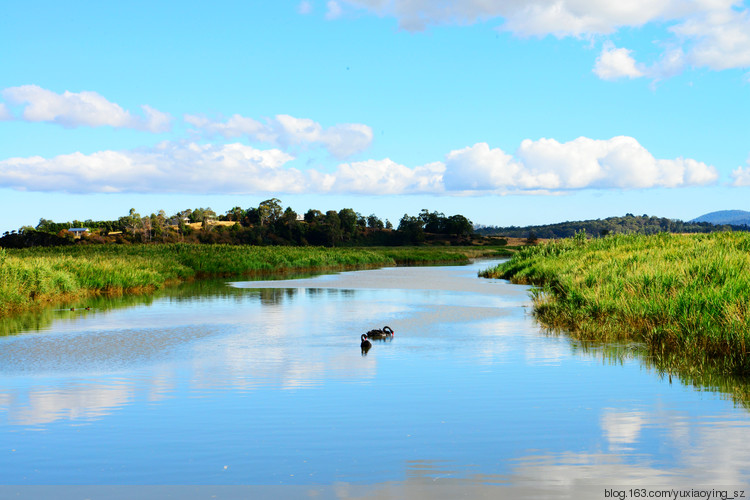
(685, 297)
(36, 276)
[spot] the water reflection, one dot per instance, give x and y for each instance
(80, 402)
(710, 378)
(708, 454)
(265, 383)
(622, 427)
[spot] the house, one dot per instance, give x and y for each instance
(78, 231)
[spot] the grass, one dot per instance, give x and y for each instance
(31, 278)
(686, 297)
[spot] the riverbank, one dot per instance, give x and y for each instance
(685, 297)
(36, 277)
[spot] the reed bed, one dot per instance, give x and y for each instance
(37, 276)
(685, 296)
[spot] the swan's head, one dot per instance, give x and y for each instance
(364, 337)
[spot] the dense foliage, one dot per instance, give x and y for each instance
(628, 224)
(267, 224)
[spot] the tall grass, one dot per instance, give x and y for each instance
(686, 296)
(31, 277)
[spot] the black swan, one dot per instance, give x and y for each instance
(387, 331)
(366, 344)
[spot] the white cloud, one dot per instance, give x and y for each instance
(155, 120)
(333, 10)
(193, 168)
(527, 17)
(720, 39)
(168, 168)
(387, 177)
(741, 175)
(236, 126)
(614, 63)
(538, 166)
(288, 132)
(711, 33)
(4, 113)
(89, 109)
(479, 168)
(304, 7)
(617, 163)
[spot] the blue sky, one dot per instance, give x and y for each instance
(509, 112)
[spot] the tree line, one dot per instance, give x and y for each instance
(267, 224)
(627, 224)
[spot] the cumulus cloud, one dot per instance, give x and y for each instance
(537, 166)
(741, 175)
(614, 63)
(546, 164)
(167, 168)
(4, 113)
(193, 168)
(387, 177)
(304, 7)
(720, 39)
(288, 132)
(87, 109)
(710, 33)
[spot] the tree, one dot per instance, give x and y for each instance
(332, 227)
(361, 221)
(146, 229)
(373, 222)
(202, 215)
(269, 211)
(313, 216)
(458, 225)
(131, 222)
(158, 223)
(412, 229)
(45, 225)
(252, 217)
(289, 216)
(434, 222)
(348, 221)
(235, 214)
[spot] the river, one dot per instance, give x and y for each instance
(260, 389)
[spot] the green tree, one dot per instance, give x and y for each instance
(374, 222)
(433, 222)
(411, 228)
(235, 214)
(269, 211)
(348, 222)
(252, 217)
(459, 225)
(313, 216)
(332, 227)
(131, 222)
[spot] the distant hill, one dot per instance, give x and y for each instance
(628, 224)
(733, 217)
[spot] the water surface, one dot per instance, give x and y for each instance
(263, 383)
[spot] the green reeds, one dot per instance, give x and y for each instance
(36, 276)
(684, 294)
